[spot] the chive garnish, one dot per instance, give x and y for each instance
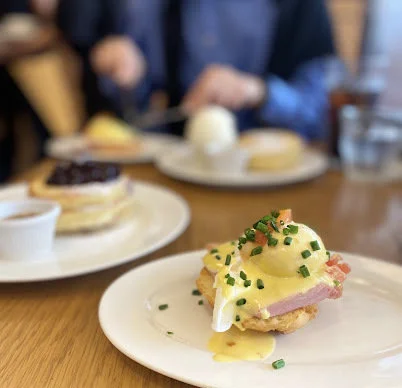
(287, 240)
(274, 226)
(286, 231)
(233, 242)
(294, 229)
(214, 251)
(230, 281)
(228, 259)
(242, 240)
(278, 364)
(243, 275)
(272, 242)
(337, 283)
(163, 307)
(217, 257)
(315, 246)
(239, 247)
(260, 284)
(201, 302)
(328, 254)
(304, 271)
(227, 275)
(282, 222)
(266, 219)
(247, 283)
(170, 332)
(241, 302)
(250, 234)
(237, 318)
(256, 251)
(306, 254)
(275, 213)
(262, 227)
(196, 292)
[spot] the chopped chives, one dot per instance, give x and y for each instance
(217, 257)
(266, 219)
(228, 259)
(337, 283)
(170, 332)
(282, 222)
(287, 240)
(201, 302)
(230, 281)
(163, 307)
(243, 275)
(328, 254)
(233, 252)
(227, 275)
(233, 242)
(274, 226)
(260, 284)
(294, 229)
(286, 231)
(241, 302)
(242, 240)
(262, 227)
(239, 247)
(214, 251)
(275, 213)
(250, 234)
(304, 271)
(247, 283)
(237, 318)
(272, 242)
(196, 292)
(305, 254)
(256, 251)
(315, 246)
(278, 364)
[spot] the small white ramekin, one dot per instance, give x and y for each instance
(28, 238)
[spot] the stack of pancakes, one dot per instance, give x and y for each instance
(92, 195)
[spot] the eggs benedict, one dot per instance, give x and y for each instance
(271, 278)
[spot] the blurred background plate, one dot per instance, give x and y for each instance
(180, 163)
(79, 254)
(75, 148)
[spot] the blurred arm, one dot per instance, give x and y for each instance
(296, 94)
(300, 103)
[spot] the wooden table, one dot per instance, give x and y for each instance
(49, 331)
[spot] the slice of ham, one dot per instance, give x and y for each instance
(337, 269)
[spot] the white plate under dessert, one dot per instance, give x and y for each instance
(142, 233)
(75, 148)
(181, 163)
(355, 341)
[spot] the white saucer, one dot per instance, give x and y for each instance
(74, 148)
(356, 341)
(180, 163)
(143, 233)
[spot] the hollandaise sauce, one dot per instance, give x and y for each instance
(235, 345)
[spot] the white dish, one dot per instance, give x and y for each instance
(356, 341)
(74, 148)
(181, 163)
(143, 233)
(27, 237)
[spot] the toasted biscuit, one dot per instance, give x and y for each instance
(285, 323)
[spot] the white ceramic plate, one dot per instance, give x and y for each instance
(74, 148)
(143, 233)
(356, 341)
(181, 164)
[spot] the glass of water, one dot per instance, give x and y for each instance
(369, 145)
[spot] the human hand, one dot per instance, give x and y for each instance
(120, 59)
(225, 86)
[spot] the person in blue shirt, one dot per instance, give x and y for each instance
(263, 59)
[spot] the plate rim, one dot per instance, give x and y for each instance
(140, 360)
(162, 165)
(171, 237)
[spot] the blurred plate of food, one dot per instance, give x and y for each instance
(106, 220)
(108, 139)
(216, 154)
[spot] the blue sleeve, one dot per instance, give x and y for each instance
(301, 103)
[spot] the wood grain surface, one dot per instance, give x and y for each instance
(49, 331)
